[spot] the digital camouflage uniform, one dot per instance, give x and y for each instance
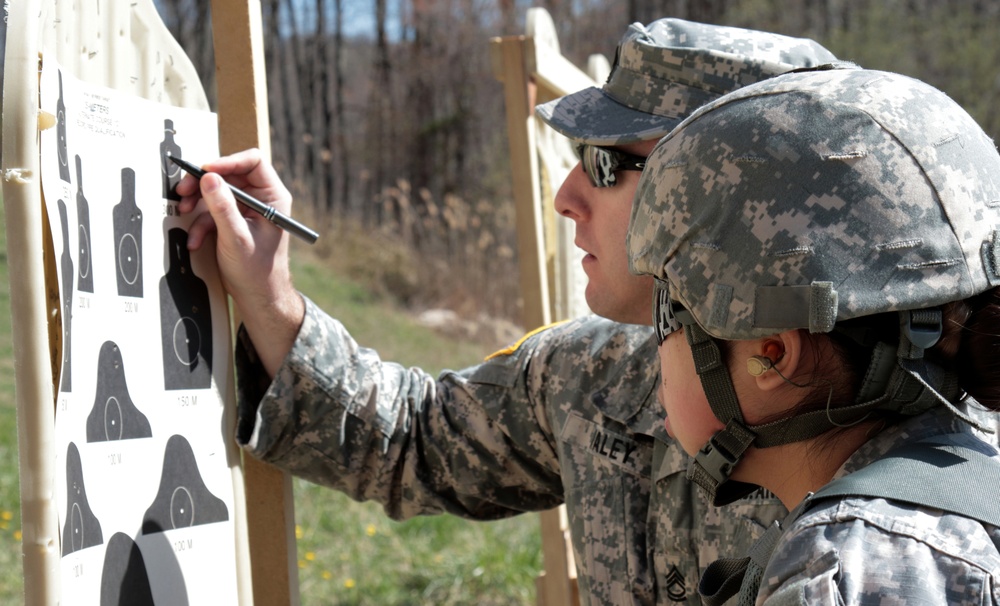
(873, 551)
(811, 199)
(568, 416)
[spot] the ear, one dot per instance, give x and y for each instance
(785, 351)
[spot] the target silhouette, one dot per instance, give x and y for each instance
(66, 269)
(171, 172)
(124, 579)
(114, 416)
(182, 500)
(85, 274)
(185, 320)
(62, 149)
(127, 220)
(81, 528)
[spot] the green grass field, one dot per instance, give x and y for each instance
(349, 553)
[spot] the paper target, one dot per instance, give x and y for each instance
(114, 416)
(124, 579)
(62, 150)
(127, 219)
(185, 320)
(66, 269)
(172, 173)
(183, 500)
(82, 528)
(85, 274)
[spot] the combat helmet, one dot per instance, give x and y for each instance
(802, 202)
(664, 71)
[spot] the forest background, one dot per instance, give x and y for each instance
(388, 124)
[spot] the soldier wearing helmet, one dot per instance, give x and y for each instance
(567, 415)
(824, 248)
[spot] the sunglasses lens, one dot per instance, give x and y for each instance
(664, 321)
(600, 165)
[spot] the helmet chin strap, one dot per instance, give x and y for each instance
(898, 379)
(716, 460)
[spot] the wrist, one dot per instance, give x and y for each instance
(273, 325)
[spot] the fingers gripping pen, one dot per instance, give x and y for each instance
(268, 212)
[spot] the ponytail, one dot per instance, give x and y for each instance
(971, 340)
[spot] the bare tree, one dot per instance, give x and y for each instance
(377, 146)
(340, 149)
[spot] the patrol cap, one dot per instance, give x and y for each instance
(817, 197)
(664, 71)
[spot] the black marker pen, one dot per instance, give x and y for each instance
(268, 212)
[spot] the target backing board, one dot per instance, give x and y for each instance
(144, 450)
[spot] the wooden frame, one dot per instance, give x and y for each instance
(124, 46)
(533, 70)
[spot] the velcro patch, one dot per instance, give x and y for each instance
(506, 351)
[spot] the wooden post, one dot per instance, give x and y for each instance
(35, 395)
(557, 587)
(243, 123)
(509, 58)
(533, 69)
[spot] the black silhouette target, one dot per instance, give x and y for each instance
(114, 416)
(171, 172)
(81, 528)
(61, 147)
(66, 269)
(124, 579)
(185, 320)
(127, 219)
(182, 499)
(85, 275)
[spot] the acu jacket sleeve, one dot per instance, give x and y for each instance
(339, 416)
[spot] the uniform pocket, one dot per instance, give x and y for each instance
(608, 504)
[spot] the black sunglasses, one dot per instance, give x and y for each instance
(664, 317)
(600, 163)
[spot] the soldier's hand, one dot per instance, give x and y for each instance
(252, 253)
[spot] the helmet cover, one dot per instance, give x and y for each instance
(819, 196)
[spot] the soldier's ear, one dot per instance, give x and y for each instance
(779, 359)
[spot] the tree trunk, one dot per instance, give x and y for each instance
(338, 109)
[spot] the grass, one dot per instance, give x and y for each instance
(10, 506)
(349, 553)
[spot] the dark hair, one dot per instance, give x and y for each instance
(971, 342)
(969, 347)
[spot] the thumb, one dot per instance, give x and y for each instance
(229, 223)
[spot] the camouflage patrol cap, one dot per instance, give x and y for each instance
(664, 71)
(817, 197)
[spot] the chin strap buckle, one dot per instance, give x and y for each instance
(716, 460)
